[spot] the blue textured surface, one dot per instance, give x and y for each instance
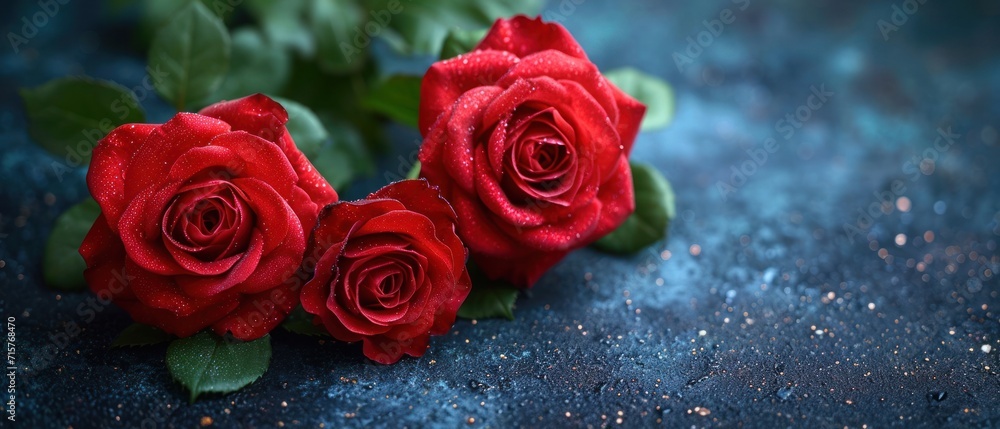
(775, 319)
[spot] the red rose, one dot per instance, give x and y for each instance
(389, 271)
(203, 219)
(529, 143)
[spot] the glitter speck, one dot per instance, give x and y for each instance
(900, 239)
(903, 204)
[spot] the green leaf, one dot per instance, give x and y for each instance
(460, 41)
(651, 91)
(420, 26)
(155, 14)
(300, 322)
(654, 208)
(414, 171)
(137, 334)
(345, 158)
(68, 116)
(339, 160)
(283, 22)
(62, 264)
(209, 363)
(189, 56)
(398, 98)
(336, 26)
(488, 298)
(256, 66)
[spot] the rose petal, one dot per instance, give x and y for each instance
(265, 118)
(275, 219)
(563, 68)
(444, 319)
(523, 271)
(457, 151)
(388, 351)
(152, 160)
(617, 200)
(478, 228)
(106, 176)
(172, 323)
(258, 314)
(630, 117)
(244, 269)
(161, 292)
(524, 36)
(256, 114)
(310, 181)
(141, 230)
(447, 80)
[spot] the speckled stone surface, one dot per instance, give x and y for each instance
(759, 310)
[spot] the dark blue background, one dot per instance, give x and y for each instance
(779, 320)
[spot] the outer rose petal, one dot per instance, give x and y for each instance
(388, 351)
(170, 322)
(630, 116)
(523, 36)
(524, 269)
(260, 313)
(318, 189)
(459, 146)
(447, 80)
(106, 176)
(256, 114)
(104, 254)
(618, 201)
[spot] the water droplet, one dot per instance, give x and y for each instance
(937, 396)
(784, 393)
